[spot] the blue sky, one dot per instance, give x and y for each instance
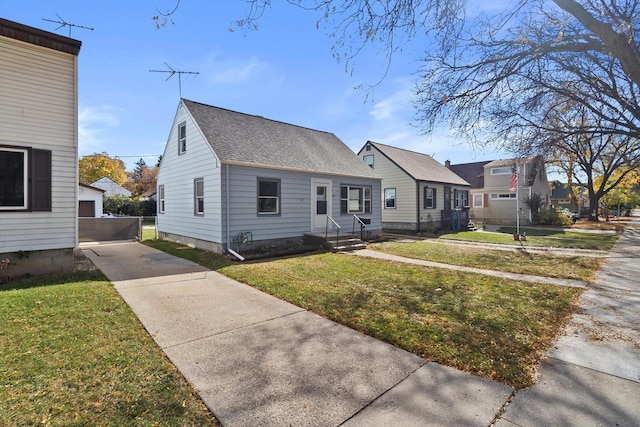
(283, 71)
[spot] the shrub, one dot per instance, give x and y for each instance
(551, 217)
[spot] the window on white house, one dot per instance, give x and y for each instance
(501, 171)
(25, 179)
(429, 198)
(478, 200)
(182, 138)
(503, 196)
(389, 198)
(368, 160)
(460, 198)
(198, 196)
(355, 199)
(161, 199)
(268, 196)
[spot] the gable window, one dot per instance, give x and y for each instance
(182, 138)
(161, 199)
(460, 198)
(389, 198)
(501, 171)
(268, 196)
(429, 198)
(25, 179)
(355, 199)
(368, 147)
(198, 196)
(368, 160)
(478, 200)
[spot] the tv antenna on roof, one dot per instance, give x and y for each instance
(64, 23)
(171, 72)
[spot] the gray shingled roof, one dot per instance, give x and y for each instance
(419, 166)
(243, 138)
(473, 173)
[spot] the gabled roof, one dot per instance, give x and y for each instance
(419, 166)
(473, 173)
(253, 140)
(27, 34)
(91, 187)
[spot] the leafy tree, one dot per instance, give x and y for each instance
(99, 165)
(142, 178)
(535, 203)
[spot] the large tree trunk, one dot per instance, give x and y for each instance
(594, 202)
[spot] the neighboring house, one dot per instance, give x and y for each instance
(561, 197)
(227, 177)
(110, 188)
(419, 194)
(492, 200)
(38, 149)
(89, 201)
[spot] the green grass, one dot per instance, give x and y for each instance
(544, 238)
(148, 232)
(204, 258)
(73, 353)
(492, 327)
(538, 264)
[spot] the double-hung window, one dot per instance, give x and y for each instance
(355, 199)
(25, 179)
(461, 198)
(198, 196)
(161, 199)
(389, 198)
(368, 159)
(182, 138)
(429, 198)
(268, 196)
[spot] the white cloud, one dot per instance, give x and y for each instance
(93, 122)
(234, 70)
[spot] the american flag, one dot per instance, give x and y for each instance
(513, 184)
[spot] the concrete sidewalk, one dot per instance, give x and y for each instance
(258, 361)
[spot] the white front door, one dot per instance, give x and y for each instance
(320, 204)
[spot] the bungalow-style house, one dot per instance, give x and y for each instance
(419, 194)
(493, 198)
(89, 201)
(111, 188)
(38, 150)
(561, 197)
(229, 179)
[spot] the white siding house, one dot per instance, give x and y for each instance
(38, 149)
(418, 193)
(111, 188)
(89, 201)
(492, 200)
(228, 178)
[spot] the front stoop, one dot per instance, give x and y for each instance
(344, 242)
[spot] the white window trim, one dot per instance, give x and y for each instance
(481, 204)
(161, 199)
(432, 205)
(182, 141)
(364, 189)
(369, 156)
(394, 198)
(196, 197)
(506, 170)
(25, 179)
(276, 197)
(505, 196)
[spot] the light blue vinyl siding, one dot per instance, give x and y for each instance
(177, 173)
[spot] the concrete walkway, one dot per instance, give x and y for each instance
(258, 361)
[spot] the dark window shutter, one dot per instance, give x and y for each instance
(435, 198)
(41, 180)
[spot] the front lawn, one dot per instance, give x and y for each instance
(492, 327)
(73, 353)
(544, 238)
(538, 264)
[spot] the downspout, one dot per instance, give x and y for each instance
(418, 206)
(228, 209)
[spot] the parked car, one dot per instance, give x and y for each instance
(573, 215)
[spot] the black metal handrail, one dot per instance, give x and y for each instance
(362, 226)
(326, 229)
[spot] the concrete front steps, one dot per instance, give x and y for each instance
(342, 242)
